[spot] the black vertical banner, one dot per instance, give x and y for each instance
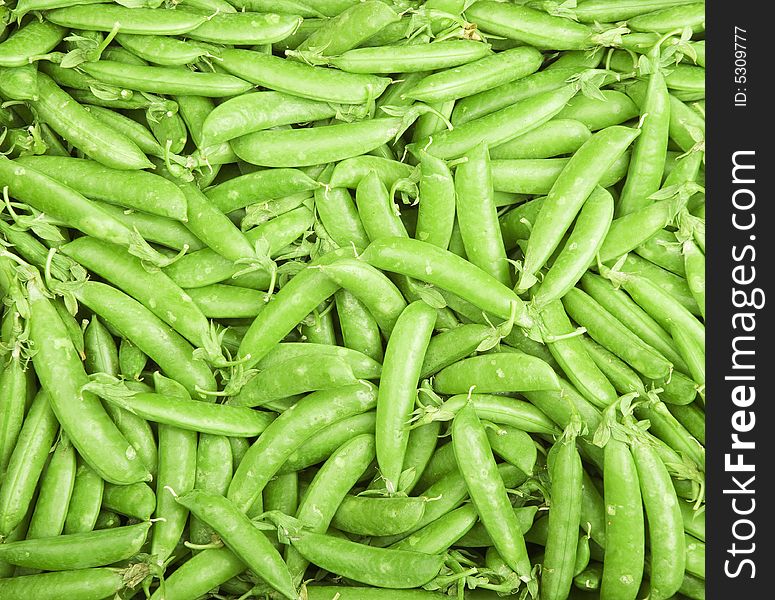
(740, 265)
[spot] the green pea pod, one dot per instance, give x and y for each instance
(500, 126)
(530, 26)
(142, 21)
(300, 375)
(35, 38)
(349, 172)
(363, 515)
(483, 74)
(496, 373)
(621, 306)
(206, 266)
(611, 334)
(77, 550)
(324, 444)
(87, 584)
(587, 237)
(200, 574)
(436, 214)
(241, 537)
(13, 396)
(381, 567)
(252, 188)
(363, 367)
(299, 79)
(568, 194)
(358, 327)
(85, 500)
(564, 517)
(514, 445)
(94, 436)
(350, 28)
(625, 536)
(668, 555)
(614, 108)
(695, 272)
(19, 83)
(477, 536)
(441, 268)
(478, 468)
(289, 431)
(477, 216)
(136, 500)
(553, 138)
(438, 536)
(56, 488)
(567, 350)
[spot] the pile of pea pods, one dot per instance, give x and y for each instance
(352, 300)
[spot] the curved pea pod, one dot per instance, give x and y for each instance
(674, 285)
(256, 111)
(441, 268)
(13, 397)
(77, 550)
(533, 27)
(349, 172)
(300, 79)
(240, 535)
(477, 536)
(298, 375)
(483, 103)
(19, 83)
(502, 372)
(75, 124)
(298, 298)
(537, 176)
(290, 430)
(553, 138)
(237, 28)
(324, 445)
(317, 145)
(362, 366)
(162, 50)
(374, 516)
(199, 574)
(350, 28)
(36, 37)
(26, 463)
(377, 210)
(503, 411)
(628, 232)
(667, 544)
(83, 418)
(382, 567)
(85, 500)
(136, 500)
(334, 592)
(478, 76)
(589, 233)
(154, 337)
(220, 301)
(131, 189)
(142, 21)
(615, 108)
(488, 494)
(500, 126)
(450, 346)
(206, 267)
(440, 535)
(155, 290)
(573, 186)
(86, 584)
(513, 445)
